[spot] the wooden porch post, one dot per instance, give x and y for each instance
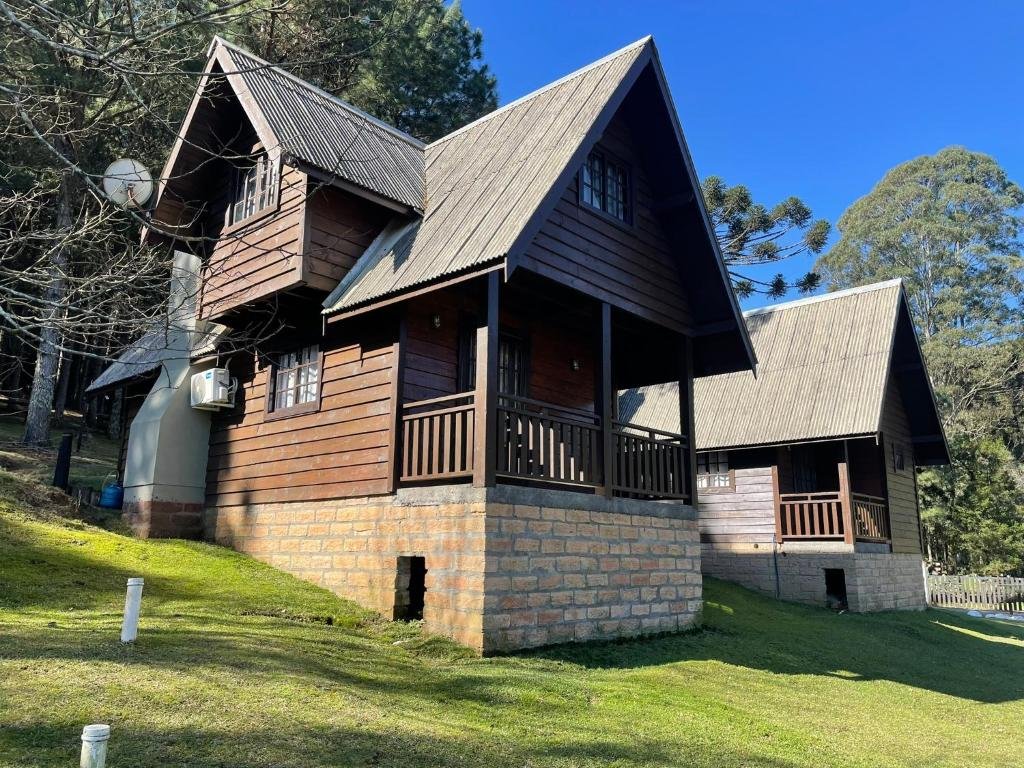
(846, 498)
(776, 499)
(486, 395)
(686, 417)
(397, 377)
(607, 396)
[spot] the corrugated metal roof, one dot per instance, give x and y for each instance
(822, 369)
(324, 131)
(485, 181)
(151, 350)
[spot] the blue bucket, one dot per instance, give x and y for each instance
(111, 496)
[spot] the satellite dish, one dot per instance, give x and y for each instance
(127, 182)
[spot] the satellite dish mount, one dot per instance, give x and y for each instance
(127, 183)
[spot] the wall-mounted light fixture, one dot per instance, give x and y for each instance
(575, 364)
(436, 320)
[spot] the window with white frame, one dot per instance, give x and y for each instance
(713, 470)
(604, 185)
(295, 380)
(255, 188)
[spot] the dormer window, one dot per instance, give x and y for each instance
(255, 189)
(604, 185)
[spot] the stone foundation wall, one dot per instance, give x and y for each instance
(507, 568)
(875, 581)
(351, 547)
(565, 567)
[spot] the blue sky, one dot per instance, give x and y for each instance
(814, 99)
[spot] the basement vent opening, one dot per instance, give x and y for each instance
(835, 589)
(410, 588)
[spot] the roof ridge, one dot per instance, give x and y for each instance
(543, 89)
(824, 297)
(397, 132)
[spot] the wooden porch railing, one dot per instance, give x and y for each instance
(541, 441)
(437, 438)
(871, 516)
(649, 463)
(811, 516)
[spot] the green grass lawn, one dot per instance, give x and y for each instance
(238, 665)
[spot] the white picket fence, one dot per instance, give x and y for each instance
(999, 593)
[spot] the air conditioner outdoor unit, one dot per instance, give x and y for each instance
(212, 390)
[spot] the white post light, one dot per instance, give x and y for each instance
(94, 745)
(132, 604)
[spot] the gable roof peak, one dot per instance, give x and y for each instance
(219, 41)
(883, 285)
(641, 43)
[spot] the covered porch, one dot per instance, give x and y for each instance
(515, 383)
(831, 491)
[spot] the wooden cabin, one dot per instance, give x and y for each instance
(806, 481)
(428, 342)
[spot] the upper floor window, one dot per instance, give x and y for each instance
(295, 381)
(899, 462)
(713, 470)
(255, 188)
(604, 185)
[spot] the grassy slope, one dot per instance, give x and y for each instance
(237, 666)
(90, 467)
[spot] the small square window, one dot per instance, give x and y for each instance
(713, 471)
(295, 381)
(604, 185)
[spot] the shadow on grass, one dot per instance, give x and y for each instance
(933, 650)
(284, 744)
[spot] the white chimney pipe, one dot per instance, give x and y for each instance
(94, 745)
(132, 605)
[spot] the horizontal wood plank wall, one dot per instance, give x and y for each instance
(632, 267)
(339, 227)
(745, 515)
(553, 340)
(432, 354)
(339, 451)
(903, 511)
(260, 259)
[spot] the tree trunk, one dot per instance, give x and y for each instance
(37, 421)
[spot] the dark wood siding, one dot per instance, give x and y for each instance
(432, 354)
(339, 227)
(552, 343)
(339, 451)
(631, 266)
(260, 259)
(903, 511)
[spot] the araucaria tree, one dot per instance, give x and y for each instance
(950, 225)
(752, 234)
(83, 83)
